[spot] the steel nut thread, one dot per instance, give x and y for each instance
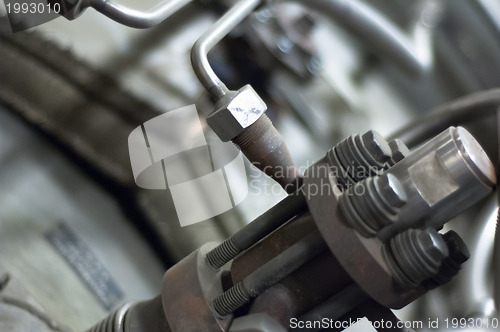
(372, 203)
(359, 156)
(414, 256)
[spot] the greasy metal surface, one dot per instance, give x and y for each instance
(270, 247)
(308, 286)
(360, 257)
(187, 293)
(88, 116)
(266, 149)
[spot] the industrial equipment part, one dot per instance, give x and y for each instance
(358, 157)
(448, 171)
(240, 114)
(301, 262)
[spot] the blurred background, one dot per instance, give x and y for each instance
(78, 238)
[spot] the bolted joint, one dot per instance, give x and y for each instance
(237, 112)
(459, 254)
(415, 255)
(358, 157)
(70, 9)
(372, 203)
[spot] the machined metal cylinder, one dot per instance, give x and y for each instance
(441, 179)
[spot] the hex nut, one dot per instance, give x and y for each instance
(238, 113)
(377, 146)
(433, 244)
(391, 190)
(399, 151)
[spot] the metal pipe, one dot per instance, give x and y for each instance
(414, 55)
(210, 38)
(136, 18)
(459, 111)
(257, 229)
(270, 273)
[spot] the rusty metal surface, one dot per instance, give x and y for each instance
(360, 257)
(271, 246)
(305, 288)
(188, 290)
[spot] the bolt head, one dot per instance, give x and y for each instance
(377, 146)
(391, 189)
(433, 244)
(237, 113)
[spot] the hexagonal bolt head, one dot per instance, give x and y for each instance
(433, 244)
(377, 146)
(391, 190)
(239, 112)
(399, 150)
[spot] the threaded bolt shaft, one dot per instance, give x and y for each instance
(232, 299)
(414, 256)
(222, 254)
(372, 203)
(358, 157)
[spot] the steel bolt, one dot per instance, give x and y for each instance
(373, 203)
(459, 254)
(358, 157)
(415, 255)
(376, 146)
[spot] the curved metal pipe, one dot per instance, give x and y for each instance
(136, 18)
(413, 54)
(210, 38)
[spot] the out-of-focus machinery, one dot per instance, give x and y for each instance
(360, 232)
